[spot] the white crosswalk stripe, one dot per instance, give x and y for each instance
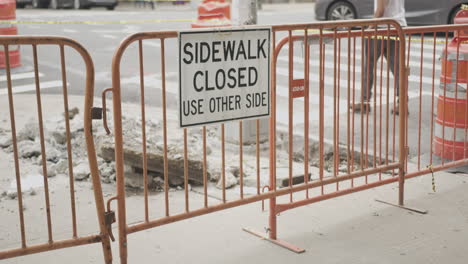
(20, 76)
(32, 87)
(25, 82)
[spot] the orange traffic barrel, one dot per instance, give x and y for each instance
(451, 126)
(209, 7)
(8, 13)
(213, 13)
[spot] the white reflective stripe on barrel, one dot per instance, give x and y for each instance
(450, 90)
(459, 137)
(452, 56)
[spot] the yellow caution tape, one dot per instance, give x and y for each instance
(96, 22)
(433, 179)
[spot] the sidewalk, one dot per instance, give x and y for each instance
(349, 229)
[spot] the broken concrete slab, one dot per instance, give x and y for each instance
(155, 163)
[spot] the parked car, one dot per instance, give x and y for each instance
(76, 4)
(418, 12)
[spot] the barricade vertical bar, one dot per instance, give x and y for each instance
(223, 163)
(41, 135)
(97, 188)
(374, 83)
(382, 45)
(456, 99)
(354, 101)
(335, 122)
(337, 139)
(402, 119)
(388, 96)
(363, 90)
(241, 160)
(290, 112)
(348, 123)
(186, 186)
(445, 93)
(306, 109)
(395, 88)
(433, 96)
(407, 72)
(143, 128)
(15, 147)
(366, 109)
(163, 80)
(420, 101)
(272, 216)
(465, 125)
(205, 171)
(69, 146)
(257, 153)
(321, 106)
(119, 157)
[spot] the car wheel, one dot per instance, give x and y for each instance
(341, 11)
(53, 4)
(20, 5)
(111, 7)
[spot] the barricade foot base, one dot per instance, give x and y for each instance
(419, 211)
(278, 242)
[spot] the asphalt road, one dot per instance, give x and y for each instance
(103, 38)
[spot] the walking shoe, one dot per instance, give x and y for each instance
(358, 107)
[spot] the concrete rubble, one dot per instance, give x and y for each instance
(56, 150)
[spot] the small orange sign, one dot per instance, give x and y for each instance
(297, 89)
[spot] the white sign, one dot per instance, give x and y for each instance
(224, 75)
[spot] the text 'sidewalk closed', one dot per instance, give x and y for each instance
(224, 75)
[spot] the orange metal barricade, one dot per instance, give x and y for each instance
(76, 237)
(166, 213)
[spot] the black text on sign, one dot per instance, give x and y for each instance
(224, 75)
